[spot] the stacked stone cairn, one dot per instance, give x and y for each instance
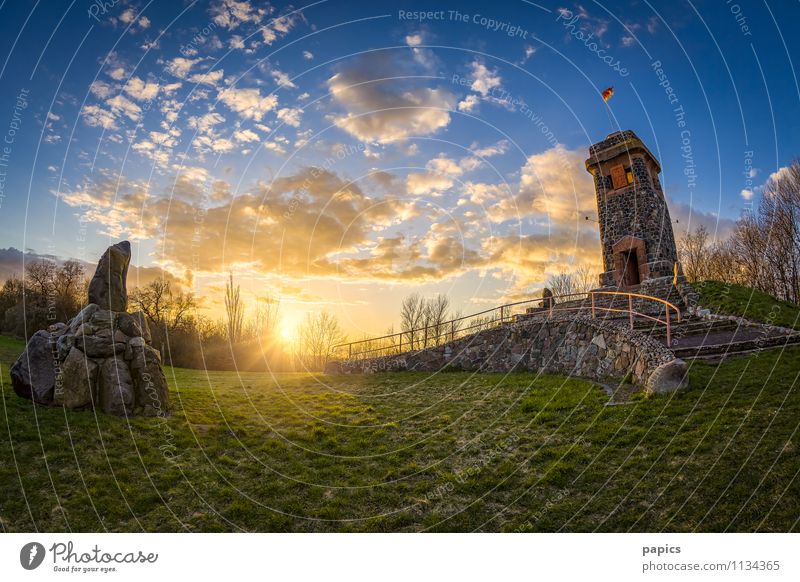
(101, 359)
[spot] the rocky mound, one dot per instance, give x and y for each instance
(102, 358)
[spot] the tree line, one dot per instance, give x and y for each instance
(763, 250)
(246, 337)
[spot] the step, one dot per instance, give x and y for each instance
(735, 348)
(682, 329)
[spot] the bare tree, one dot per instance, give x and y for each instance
(154, 299)
(694, 254)
(412, 314)
(234, 310)
(561, 284)
(316, 337)
(40, 276)
(437, 311)
(585, 279)
(264, 319)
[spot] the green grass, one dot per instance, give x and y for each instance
(730, 299)
(408, 452)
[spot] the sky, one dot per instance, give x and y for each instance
(340, 155)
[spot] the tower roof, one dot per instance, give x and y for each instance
(615, 144)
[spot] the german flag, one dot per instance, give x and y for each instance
(608, 93)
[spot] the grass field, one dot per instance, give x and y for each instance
(411, 452)
(730, 299)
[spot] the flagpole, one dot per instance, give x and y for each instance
(607, 94)
(608, 112)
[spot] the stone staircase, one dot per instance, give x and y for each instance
(693, 338)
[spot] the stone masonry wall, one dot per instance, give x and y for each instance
(638, 210)
(566, 344)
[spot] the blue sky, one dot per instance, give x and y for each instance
(447, 137)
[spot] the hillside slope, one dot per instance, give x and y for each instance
(731, 299)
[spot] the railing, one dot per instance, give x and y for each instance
(440, 333)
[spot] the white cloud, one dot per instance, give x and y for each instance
(495, 149)
(387, 111)
(117, 73)
(128, 16)
(100, 89)
(308, 55)
(746, 194)
(414, 39)
(274, 147)
(210, 78)
(170, 88)
(231, 14)
(205, 123)
(246, 135)
(483, 80)
(141, 90)
(469, 103)
(282, 79)
(290, 116)
(445, 166)
(425, 183)
(180, 66)
(98, 117)
(121, 105)
(439, 177)
(529, 52)
(248, 103)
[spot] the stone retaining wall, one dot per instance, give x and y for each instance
(566, 344)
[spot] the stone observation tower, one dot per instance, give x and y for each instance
(635, 226)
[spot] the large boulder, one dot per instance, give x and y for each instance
(33, 375)
(115, 387)
(134, 325)
(96, 346)
(102, 358)
(152, 393)
(668, 377)
(77, 386)
(108, 286)
(84, 316)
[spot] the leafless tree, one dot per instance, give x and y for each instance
(694, 254)
(437, 311)
(561, 283)
(264, 318)
(234, 310)
(316, 337)
(412, 315)
(40, 276)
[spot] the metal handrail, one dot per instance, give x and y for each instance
(505, 309)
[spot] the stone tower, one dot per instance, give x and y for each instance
(635, 226)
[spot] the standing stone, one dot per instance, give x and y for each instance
(547, 298)
(115, 387)
(102, 358)
(33, 375)
(78, 386)
(108, 286)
